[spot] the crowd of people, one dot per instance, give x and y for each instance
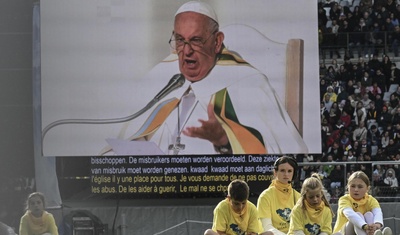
(366, 28)
(360, 97)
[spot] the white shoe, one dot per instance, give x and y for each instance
(387, 231)
(378, 232)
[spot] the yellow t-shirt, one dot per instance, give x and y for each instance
(232, 223)
(310, 225)
(364, 205)
(31, 225)
(276, 203)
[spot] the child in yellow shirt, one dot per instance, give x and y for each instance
(235, 215)
(312, 214)
(275, 203)
(37, 221)
(358, 212)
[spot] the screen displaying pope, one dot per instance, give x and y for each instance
(205, 99)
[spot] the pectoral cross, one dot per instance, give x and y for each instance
(187, 101)
(177, 146)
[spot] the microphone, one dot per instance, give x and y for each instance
(289, 182)
(175, 82)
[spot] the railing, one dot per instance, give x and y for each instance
(371, 41)
(382, 193)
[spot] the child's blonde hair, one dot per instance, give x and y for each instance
(359, 175)
(312, 183)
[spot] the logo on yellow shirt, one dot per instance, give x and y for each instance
(284, 214)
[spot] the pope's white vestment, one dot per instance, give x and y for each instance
(255, 103)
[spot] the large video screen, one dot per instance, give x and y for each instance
(104, 62)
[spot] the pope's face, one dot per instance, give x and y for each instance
(196, 62)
